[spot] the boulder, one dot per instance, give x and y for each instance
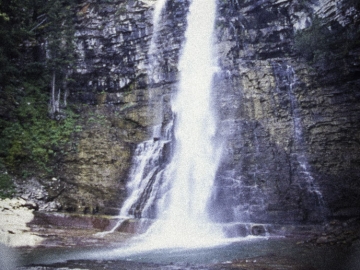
(14, 216)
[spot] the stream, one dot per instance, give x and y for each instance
(245, 253)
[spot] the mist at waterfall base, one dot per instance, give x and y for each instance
(272, 254)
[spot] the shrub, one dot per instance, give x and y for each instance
(6, 184)
(324, 40)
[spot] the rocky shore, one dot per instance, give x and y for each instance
(26, 233)
(21, 226)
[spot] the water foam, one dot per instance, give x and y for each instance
(179, 193)
(183, 219)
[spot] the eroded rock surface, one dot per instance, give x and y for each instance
(289, 125)
(118, 103)
(290, 128)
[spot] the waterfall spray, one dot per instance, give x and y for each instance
(183, 214)
(177, 194)
(153, 63)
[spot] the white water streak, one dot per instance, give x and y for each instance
(154, 76)
(147, 161)
(298, 135)
(184, 220)
(148, 153)
(195, 161)
(181, 192)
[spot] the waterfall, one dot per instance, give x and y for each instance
(183, 211)
(303, 164)
(177, 193)
(153, 64)
(146, 172)
(147, 162)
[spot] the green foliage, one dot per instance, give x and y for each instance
(326, 41)
(35, 34)
(6, 185)
(97, 118)
(60, 45)
(37, 139)
(36, 41)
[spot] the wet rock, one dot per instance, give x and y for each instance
(258, 230)
(40, 194)
(69, 230)
(338, 233)
(236, 230)
(322, 240)
(276, 167)
(31, 205)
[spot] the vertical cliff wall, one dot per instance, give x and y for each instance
(117, 102)
(290, 126)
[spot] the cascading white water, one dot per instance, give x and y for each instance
(147, 157)
(153, 64)
(195, 158)
(148, 154)
(183, 219)
(178, 194)
(298, 136)
(181, 192)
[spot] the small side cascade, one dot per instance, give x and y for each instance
(148, 166)
(153, 57)
(303, 164)
(145, 177)
(150, 156)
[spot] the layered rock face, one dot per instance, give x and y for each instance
(290, 129)
(118, 103)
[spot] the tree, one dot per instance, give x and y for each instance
(36, 51)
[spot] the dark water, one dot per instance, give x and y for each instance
(272, 253)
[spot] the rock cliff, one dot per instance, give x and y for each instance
(290, 125)
(117, 102)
